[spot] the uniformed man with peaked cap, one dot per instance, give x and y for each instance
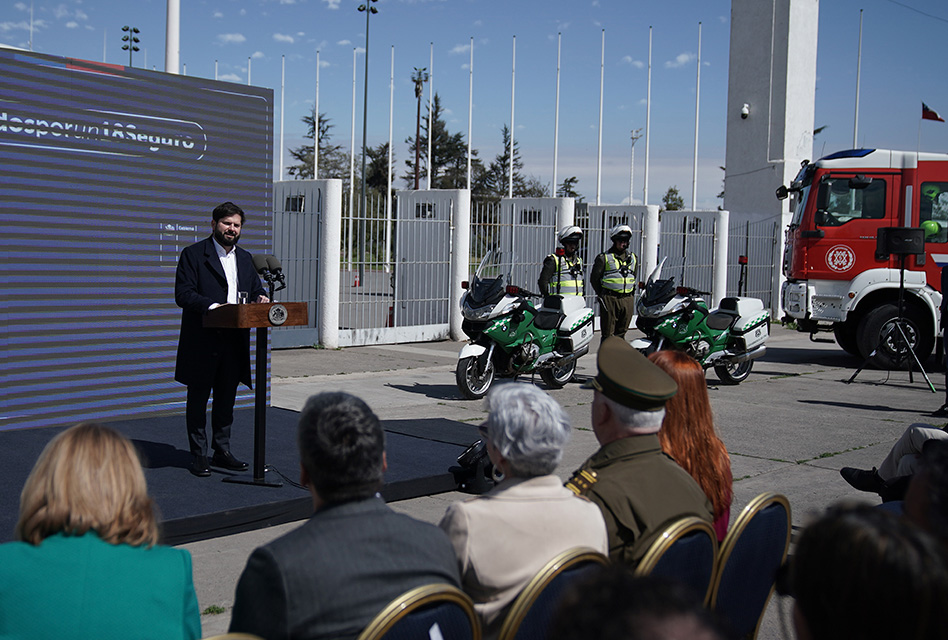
(639, 489)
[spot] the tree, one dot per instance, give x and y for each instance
(448, 154)
(376, 169)
(567, 189)
(672, 201)
(333, 161)
(493, 182)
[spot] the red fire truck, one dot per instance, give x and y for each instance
(838, 280)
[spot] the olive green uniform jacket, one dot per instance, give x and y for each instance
(640, 491)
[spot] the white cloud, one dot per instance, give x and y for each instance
(332, 4)
(460, 48)
(243, 12)
(72, 24)
(343, 43)
(287, 1)
(6, 27)
(218, 14)
(282, 37)
(638, 64)
(81, 15)
(61, 11)
(680, 60)
(230, 77)
(300, 34)
(257, 55)
(21, 6)
(231, 38)
(323, 63)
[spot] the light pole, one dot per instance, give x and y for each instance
(369, 10)
(419, 77)
(130, 39)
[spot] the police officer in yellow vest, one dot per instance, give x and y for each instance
(562, 272)
(613, 278)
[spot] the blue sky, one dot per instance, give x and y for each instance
(904, 49)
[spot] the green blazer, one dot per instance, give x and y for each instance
(79, 587)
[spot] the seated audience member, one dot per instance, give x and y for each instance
(891, 478)
(639, 489)
(926, 501)
(863, 573)
(688, 435)
(87, 563)
(504, 537)
(330, 577)
(615, 605)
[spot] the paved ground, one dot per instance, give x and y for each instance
(789, 428)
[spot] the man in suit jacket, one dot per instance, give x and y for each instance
(211, 273)
(330, 577)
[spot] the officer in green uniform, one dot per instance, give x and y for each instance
(639, 489)
(562, 272)
(613, 278)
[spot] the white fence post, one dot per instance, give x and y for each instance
(719, 268)
(650, 238)
(329, 263)
(460, 260)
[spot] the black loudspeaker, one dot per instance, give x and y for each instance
(900, 241)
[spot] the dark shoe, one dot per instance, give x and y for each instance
(863, 480)
(940, 412)
(227, 461)
(199, 467)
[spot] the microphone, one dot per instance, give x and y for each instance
(276, 271)
(261, 265)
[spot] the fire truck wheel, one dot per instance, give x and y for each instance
(879, 332)
(845, 333)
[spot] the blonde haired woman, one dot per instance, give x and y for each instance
(86, 563)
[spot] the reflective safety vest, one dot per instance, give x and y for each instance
(619, 275)
(567, 280)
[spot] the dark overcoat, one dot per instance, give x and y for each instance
(200, 282)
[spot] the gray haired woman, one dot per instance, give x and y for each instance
(504, 537)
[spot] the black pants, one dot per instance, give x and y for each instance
(224, 386)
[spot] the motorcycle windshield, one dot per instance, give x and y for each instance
(491, 279)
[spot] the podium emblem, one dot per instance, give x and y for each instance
(277, 315)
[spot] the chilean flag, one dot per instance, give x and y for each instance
(929, 114)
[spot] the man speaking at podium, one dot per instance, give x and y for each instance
(211, 273)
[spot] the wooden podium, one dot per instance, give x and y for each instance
(262, 317)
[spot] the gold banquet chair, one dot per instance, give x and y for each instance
(752, 552)
(529, 615)
(686, 551)
(416, 613)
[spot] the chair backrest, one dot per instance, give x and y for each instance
(529, 615)
(752, 552)
(686, 551)
(416, 613)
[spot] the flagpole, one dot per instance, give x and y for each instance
(282, 108)
(648, 116)
(602, 76)
(513, 87)
(388, 192)
(430, 113)
(316, 124)
(352, 136)
(556, 114)
(858, 77)
(470, 113)
(694, 173)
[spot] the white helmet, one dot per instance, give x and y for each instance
(620, 230)
(570, 233)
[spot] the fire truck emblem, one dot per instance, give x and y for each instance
(840, 258)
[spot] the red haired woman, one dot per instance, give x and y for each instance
(688, 434)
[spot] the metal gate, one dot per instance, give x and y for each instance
(687, 244)
(297, 215)
(757, 241)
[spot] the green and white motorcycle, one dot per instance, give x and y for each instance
(510, 337)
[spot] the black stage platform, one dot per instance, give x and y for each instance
(419, 454)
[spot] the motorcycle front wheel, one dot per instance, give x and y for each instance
(472, 383)
(557, 377)
(734, 373)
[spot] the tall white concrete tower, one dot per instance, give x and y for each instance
(770, 102)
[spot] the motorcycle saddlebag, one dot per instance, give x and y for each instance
(576, 329)
(752, 328)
